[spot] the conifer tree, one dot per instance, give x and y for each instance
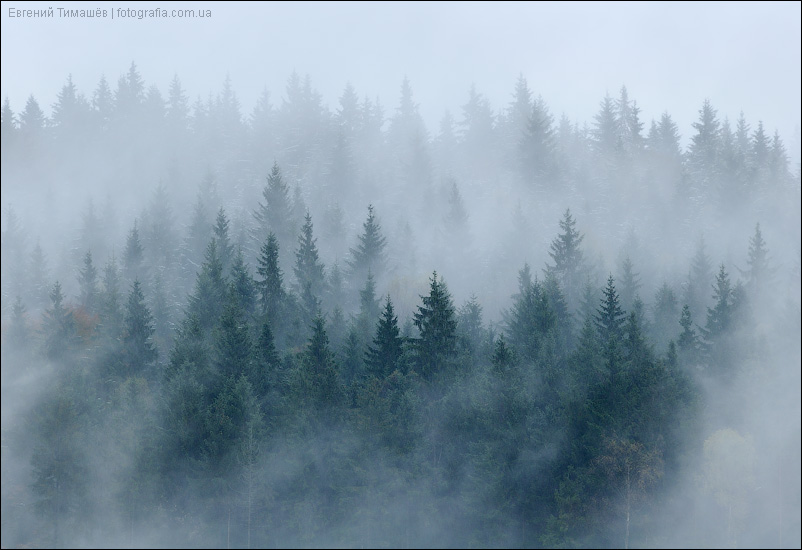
(59, 329)
(275, 215)
(87, 281)
(208, 298)
(309, 272)
(609, 322)
(139, 353)
(271, 279)
(110, 308)
(369, 254)
(321, 386)
(242, 284)
(437, 325)
(225, 249)
(569, 264)
(758, 275)
(133, 255)
(233, 342)
(383, 357)
(688, 341)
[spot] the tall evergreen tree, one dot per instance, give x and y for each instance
(133, 255)
(688, 341)
(537, 148)
(138, 353)
(60, 331)
(208, 298)
(369, 254)
(758, 274)
(233, 343)
(309, 271)
(275, 214)
(569, 265)
(225, 248)
(437, 325)
(384, 356)
(271, 280)
(87, 281)
(609, 322)
(320, 385)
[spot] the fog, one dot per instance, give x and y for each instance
(401, 274)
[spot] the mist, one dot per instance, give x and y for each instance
(401, 275)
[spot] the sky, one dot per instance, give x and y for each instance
(743, 56)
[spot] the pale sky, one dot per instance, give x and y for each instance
(670, 55)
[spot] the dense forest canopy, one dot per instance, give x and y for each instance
(331, 325)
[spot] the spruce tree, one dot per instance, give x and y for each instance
(383, 357)
(271, 279)
(208, 298)
(138, 353)
(59, 329)
(437, 325)
(243, 286)
(309, 271)
(569, 263)
(87, 281)
(233, 342)
(133, 255)
(609, 322)
(369, 254)
(688, 341)
(225, 249)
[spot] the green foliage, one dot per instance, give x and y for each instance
(384, 356)
(138, 351)
(369, 254)
(437, 325)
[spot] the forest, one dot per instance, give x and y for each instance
(331, 326)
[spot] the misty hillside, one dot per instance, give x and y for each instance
(314, 325)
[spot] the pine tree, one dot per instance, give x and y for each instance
(538, 149)
(37, 291)
(369, 254)
(59, 328)
(503, 356)
(265, 375)
(243, 286)
(110, 309)
(703, 151)
(437, 325)
(208, 298)
(225, 248)
(758, 275)
(470, 330)
(688, 341)
(630, 283)
(321, 385)
(609, 322)
(233, 342)
(530, 321)
(369, 310)
(133, 255)
(699, 278)
(720, 316)
(665, 315)
(606, 138)
(309, 271)
(271, 280)
(87, 281)
(275, 215)
(138, 353)
(384, 356)
(569, 263)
